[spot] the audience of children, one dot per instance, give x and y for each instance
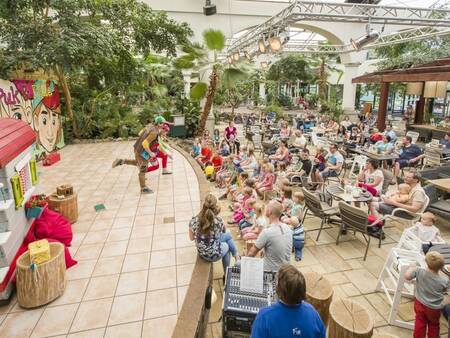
(246, 179)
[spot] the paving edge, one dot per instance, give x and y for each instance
(193, 317)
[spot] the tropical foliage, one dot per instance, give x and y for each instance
(91, 47)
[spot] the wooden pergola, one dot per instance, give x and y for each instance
(438, 70)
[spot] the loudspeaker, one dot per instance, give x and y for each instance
(209, 10)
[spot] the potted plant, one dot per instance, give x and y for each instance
(35, 206)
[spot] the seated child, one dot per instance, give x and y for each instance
(298, 237)
(225, 172)
(296, 209)
(216, 138)
(429, 292)
(427, 232)
(216, 161)
(268, 180)
(205, 155)
(196, 148)
(319, 160)
(236, 186)
(249, 214)
(224, 149)
(252, 233)
(239, 208)
(402, 195)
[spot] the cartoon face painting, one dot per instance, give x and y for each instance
(22, 110)
(47, 125)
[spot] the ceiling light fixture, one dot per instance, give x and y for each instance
(275, 43)
(262, 45)
(236, 56)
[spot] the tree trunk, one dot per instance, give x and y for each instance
(213, 81)
(66, 90)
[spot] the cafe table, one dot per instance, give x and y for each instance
(336, 191)
(379, 157)
(441, 184)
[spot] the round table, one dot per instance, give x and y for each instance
(444, 250)
(338, 192)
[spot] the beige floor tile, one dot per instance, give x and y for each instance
(141, 211)
(83, 269)
(106, 214)
(112, 249)
(91, 315)
(162, 278)
(164, 229)
(159, 327)
(139, 245)
(136, 262)
(163, 242)
(186, 255)
(181, 227)
(123, 222)
(130, 330)
(161, 303)
(96, 333)
(90, 251)
(119, 234)
(162, 258)
(142, 232)
(101, 224)
(101, 287)
(73, 293)
(126, 212)
(182, 240)
(184, 274)
(144, 221)
(20, 324)
(132, 282)
(55, 321)
(127, 309)
(93, 237)
(362, 279)
(108, 266)
(182, 290)
(81, 226)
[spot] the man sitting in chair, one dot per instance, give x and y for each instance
(410, 154)
(333, 166)
(415, 203)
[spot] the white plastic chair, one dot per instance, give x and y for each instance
(414, 135)
(397, 263)
(359, 161)
(410, 241)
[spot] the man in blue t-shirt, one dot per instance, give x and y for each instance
(291, 316)
(409, 156)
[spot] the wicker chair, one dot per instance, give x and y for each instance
(317, 208)
(355, 219)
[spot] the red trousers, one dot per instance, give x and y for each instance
(426, 317)
(163, 158)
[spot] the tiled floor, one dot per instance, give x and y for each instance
(134, 259)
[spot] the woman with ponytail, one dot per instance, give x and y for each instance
(208, 231)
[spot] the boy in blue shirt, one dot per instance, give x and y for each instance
(291, 316)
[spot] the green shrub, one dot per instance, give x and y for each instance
(276, 109)
(284, 100)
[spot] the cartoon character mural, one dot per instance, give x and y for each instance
(37, 102)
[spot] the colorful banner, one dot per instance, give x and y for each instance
(37, 102)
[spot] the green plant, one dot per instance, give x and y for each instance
(191, 111)
(312, 100)
(284, 100)
(276, 109)
(332, 109)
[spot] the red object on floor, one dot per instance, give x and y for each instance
(15, 137)
(426, 317)
(51, 158)
(51, 226)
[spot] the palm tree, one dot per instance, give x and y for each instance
(198, 57)
(323, 62)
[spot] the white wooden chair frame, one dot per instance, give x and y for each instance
(395, 267)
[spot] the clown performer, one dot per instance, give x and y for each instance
(162, 151)
(148, 140)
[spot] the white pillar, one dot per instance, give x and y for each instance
(187, 82)
(262, 91)
(349, 95)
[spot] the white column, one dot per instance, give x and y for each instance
(349, 95)
(262, 90)
(187, 82)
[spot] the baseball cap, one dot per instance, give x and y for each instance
(159, 119)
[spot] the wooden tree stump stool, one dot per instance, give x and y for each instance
(319, 294)
(349, 320)
(65, 205)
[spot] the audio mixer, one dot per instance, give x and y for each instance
(241, 307)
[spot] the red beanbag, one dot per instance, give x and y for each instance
(52, 225)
